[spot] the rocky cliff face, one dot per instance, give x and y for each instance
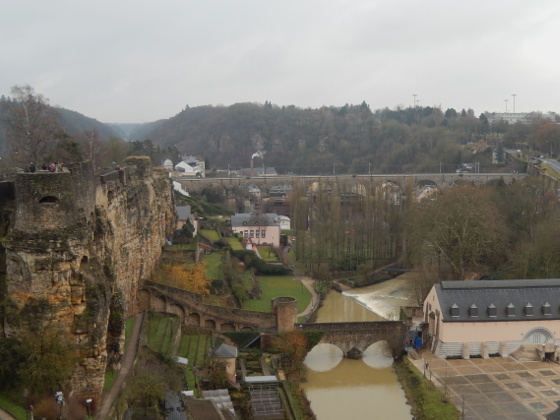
(75, 247)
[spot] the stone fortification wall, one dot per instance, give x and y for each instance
(75, 250)
(285, 310)
(184, 303)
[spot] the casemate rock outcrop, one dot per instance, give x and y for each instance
(74, 247)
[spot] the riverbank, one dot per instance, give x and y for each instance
(426, 401)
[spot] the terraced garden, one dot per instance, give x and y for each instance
(195, 348)
(161, 330)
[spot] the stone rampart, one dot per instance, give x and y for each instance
(194, 312)
(75, 250)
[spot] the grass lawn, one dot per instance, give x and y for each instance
(211, 235)
(162, 329)
(263, 250)
(195, 348)
(235, 244)
(277, 286)
(128, 328)
(12, 408)
(110, 376)
(214, 266)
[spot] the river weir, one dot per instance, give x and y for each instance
(365, 388)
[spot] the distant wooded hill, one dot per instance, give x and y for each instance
(73, 123)
(348, 139)
(340, 140)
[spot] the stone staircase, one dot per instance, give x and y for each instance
(526, 353)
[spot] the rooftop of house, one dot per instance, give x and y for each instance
(253, 219)
(225, 351)
(499, 300)
(183, 212)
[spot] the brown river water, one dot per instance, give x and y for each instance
(347, 389)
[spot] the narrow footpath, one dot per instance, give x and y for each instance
(4, 415)
(130, 351)
(308, 283)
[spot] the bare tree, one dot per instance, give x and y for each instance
(31, 125)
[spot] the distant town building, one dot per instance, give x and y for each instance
(191, 166)
(518, 117)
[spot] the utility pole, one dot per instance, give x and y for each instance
(506, 101)
(514, 95)
(414, 95)
(369, 168)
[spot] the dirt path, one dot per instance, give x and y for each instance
(128, 361)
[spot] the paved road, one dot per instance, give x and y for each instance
(554, 164)
(127, 363)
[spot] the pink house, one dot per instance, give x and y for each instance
(261, 229)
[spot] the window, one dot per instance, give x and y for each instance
(263, 233)
(510, 310)
(257, 233)
(492, 311)
(246, 234)
(473, 311)
(454, 311)
(252, 234)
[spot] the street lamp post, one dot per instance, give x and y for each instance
(88, 402)
(60, 400)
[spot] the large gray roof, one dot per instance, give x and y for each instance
(183, 212)
(251, 219)
(543, 295)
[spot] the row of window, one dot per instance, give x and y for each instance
(254, 233)
(510, 310)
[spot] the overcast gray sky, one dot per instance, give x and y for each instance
(139, 61)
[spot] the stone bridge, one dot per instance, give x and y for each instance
(192, 311)
(353, 338)
(441, 180)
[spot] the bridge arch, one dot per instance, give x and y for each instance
(353, 338)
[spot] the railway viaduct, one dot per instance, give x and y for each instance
(441, 180)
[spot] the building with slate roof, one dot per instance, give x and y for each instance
(490, 317)
(260, 228)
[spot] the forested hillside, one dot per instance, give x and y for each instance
(349, 139)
